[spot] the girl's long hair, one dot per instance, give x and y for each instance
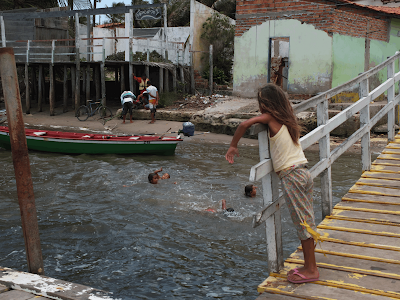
(272, 100)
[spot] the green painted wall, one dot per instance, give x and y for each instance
(347, 58)
(310, 58)
(317, 62)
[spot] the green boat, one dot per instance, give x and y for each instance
(87, 143)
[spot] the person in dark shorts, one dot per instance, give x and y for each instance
(127, 98)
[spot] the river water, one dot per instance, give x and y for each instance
(147, 241)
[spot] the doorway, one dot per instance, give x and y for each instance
(278, 70)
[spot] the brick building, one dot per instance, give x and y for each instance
(310, 46)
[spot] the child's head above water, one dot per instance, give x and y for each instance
(250, 190)
(153, 178)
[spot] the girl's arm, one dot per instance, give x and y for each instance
(240, 131)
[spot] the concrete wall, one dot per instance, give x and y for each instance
(310, 58)
(175, 35)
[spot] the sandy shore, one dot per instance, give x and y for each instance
(68, 122)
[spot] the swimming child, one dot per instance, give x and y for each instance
(250, 190)
(223, 206)
(154, 177)
(289, 163)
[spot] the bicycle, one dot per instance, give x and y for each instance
(86, 111)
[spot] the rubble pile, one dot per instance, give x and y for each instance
(197, 102)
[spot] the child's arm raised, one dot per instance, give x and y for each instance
(240, 131)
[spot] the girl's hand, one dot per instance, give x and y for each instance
(230, 154)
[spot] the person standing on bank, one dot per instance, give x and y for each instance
(143, 82)
(127, 98)
(289, 163)
(153, 100)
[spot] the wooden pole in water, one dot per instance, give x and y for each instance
(20, 157)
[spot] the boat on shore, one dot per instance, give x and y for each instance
(88, 143)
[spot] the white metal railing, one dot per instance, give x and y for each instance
(263, 171)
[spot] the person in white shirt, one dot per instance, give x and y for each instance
(127, 98)
(153, 100)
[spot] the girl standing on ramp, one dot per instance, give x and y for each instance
(289, 164)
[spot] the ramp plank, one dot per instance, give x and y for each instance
(374, 198)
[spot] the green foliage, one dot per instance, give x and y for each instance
(119, 56)
(218, 75)
(220, 33)
(167, 99)
(116, 18)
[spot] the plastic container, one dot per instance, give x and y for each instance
(188, 129)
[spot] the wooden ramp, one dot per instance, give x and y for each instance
(359, 257)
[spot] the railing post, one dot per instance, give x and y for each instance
(273, 224)
(102, 74)
(324, 153)
(77, 94)
(3, 32)
(53, 50)
(390, 97)
(364, 119)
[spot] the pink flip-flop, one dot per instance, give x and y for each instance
(305, 278)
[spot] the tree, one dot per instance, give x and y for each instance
(220, 33)
(117, 18)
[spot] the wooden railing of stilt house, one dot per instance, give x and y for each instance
(272, 199)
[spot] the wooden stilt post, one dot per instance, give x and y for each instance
(88, 82)
(34, 84)
(132, 85)
(161, 80)
(40, 88)
(117, 77)
(192, 82)
(166, 82)
(65, 90)
(103, 75)
(122, 78)
(174, 79)
(27, 91)
(134, 89)
(98, 83)
(84, 81)
(73, 85)
(78, 65)
(182, 75)
(51, 92)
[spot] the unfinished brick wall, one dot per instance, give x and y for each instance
(324, 15)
